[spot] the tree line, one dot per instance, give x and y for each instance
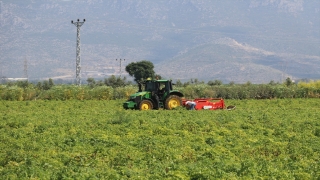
(117, 87)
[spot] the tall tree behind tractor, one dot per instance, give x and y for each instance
(154, 94)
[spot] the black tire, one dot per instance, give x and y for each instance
(145, 105)
(173, 101)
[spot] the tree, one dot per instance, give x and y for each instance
(22, 84)
(248, 83)
(272, 83)
(91, 82)
(179, 83)
(45, 85)
(215, 83)
(51, 83)
(141, 70)
(288, 82)
(114, 81)
(39, 85)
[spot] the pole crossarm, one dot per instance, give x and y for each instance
(78, 24)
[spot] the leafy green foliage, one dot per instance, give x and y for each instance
(114, 81)
(261, 139)
(141, 70)
(215, 83)
(288, 82)
(312, 88)
(118, 88)
(45, 85)
(91, 82)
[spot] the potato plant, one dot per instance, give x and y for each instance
(74, 139)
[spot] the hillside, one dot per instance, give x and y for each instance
(229, 60)
(238, 41)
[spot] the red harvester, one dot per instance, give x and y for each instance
(208, 103)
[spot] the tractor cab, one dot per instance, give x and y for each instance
(158, 87)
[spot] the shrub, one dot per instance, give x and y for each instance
(12, 93)
(101, 93)
(124, 92)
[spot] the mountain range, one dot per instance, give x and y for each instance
(233, 40)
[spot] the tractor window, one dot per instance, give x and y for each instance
(162, 86)
(168, 86)
(150, 86)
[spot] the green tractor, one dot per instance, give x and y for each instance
(156, 94)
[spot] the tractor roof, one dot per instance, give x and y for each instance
(162, 80)
(157, 80)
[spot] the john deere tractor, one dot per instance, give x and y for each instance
(154, 95)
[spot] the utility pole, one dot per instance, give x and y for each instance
(25, 69)
(283, 71)
(1, 77)
(78, 24)
(120, 64)
(1, 61)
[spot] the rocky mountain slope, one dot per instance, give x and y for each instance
(238, 40)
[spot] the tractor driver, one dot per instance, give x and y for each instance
(155, 97)
(162, 89)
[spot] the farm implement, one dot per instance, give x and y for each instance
(207, 104)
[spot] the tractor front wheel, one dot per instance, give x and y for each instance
(173, 101)
(145, 105)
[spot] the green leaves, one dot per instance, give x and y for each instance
(141, 70)
(277, 139)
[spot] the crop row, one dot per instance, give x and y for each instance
(260, 139)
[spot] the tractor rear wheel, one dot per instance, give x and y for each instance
(145, 105)
(173, 101)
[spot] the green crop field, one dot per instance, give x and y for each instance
(260, 139)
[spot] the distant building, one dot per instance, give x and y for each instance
(17, 79)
